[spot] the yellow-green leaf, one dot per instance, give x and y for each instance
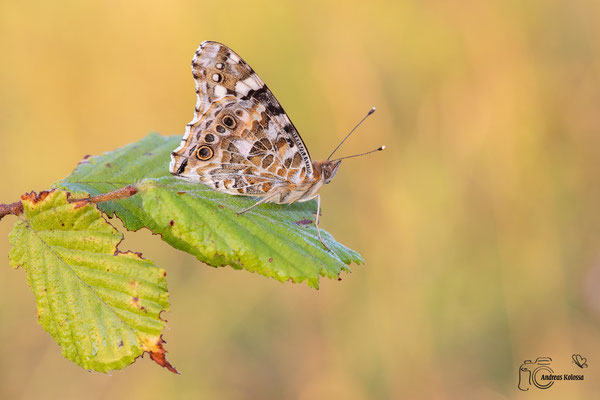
(100, 305)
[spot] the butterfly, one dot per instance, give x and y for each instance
(241, 141)
(580, 361)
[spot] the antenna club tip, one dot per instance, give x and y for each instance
(371, 111)
(381, 148)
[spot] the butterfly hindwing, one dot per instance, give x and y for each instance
(238, 148)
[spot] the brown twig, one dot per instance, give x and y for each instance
(16, 208)
(121, 193)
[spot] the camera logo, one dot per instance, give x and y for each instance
(535, 373)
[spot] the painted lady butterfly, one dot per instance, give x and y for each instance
(241, 142)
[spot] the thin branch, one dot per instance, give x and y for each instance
(121, 193)
(16, 208)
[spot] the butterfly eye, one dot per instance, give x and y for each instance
(204, 153)
(229, 122)
(209, 138)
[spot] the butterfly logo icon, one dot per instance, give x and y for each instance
(580, 361)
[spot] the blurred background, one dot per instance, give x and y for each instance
(479, 224)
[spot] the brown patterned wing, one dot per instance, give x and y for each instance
(239, 147)
(220, 72)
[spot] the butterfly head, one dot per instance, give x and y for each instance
(328, 169)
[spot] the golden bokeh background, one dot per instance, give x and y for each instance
(479, 225)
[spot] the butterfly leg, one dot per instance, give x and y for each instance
(261, 201)
(317, 222)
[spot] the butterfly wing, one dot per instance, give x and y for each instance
(240, 141)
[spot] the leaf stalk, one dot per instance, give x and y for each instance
(16, 208)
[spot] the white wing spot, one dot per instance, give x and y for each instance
(252, 83)
(243, 146)
(242, 88)
(234, 58)
(219, 65)
(220, 91)
(216, 77)
(289, 153)
(244, 117)
(272, 131)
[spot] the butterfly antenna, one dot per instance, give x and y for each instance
(361, 154)
(371, 111)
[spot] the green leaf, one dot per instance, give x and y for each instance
(100, 305)
(279, 241)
